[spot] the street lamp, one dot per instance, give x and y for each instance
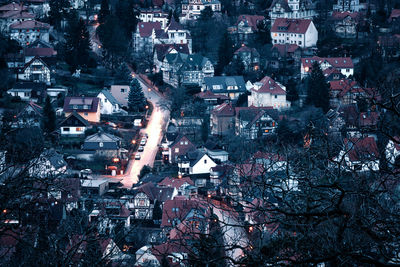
(133, 141)
(149, 89)
(147, 107)
(115, 160)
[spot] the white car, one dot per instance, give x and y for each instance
(137, 156)
(143, 141)
(141, 148)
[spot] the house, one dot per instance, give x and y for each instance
(143, 38)
(268, 93)
(191, 9)
(120, 93)
(74, 125)
(272, 162)
(87, 107)
(346, 92)
(285, 54)
(195, 162)
(154, 15)
(291, 9)
(13, 7)
(222, 119)
(392, 151)
(252, 123)
(343, 64)
(29, 91)
(358, 154)
(368, 121)
(294, 31)
(390, 45)
(179, 209)
(161, 50)
(12, 16)
(108, 103)
(94, 186)
(211, 99)
(38, 49)
(30, 116)
(245, 27)
(249, 56)
(35, 70)
(345, 24)
(146, 196)
(179, 147)
(40, 8)
(349, 5)
(183, 185)
(104, 144)
(49, 164)
(229, 86)
(55, 92)
(28, 31)
(183, 69)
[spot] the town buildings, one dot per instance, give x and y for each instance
(301, 32)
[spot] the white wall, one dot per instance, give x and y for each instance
(203, 167)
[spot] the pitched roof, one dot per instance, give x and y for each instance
(35, 107)
(336, 62)
(55, 159)
(109, 142)
(16, 14)
(92, 104)
(39, 51)
(369, 118)
(245, 48)
(284, 49)
(337, 15)
(174, 26)
(77, 116)
(219, 84)
(250, 20)
(394, 15)
(156, 193)
(269, 86)
(28, 86)
(179, 208)
(163, 49)
(178, 139)
(146, 28)
(13, 7)
(175, 182)
(33, 60)
(283, 4)
(225, 109)
(363, 148)
(210, 95)
(291, 25)
(30, 24)
(110, 97)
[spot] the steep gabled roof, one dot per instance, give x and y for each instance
(225, 109)
(250, 20)
(269, 86)
(175, 182)
(291, 25)
(174, 26)
(146, 28)
(110, 97)
(91, 102)
(361, 148)
(163, 49)
(336, 62)
(283, 4)
(78, 117)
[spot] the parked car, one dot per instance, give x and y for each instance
(137, 156)
(141, 148)
(143, 141)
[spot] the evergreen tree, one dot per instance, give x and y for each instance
(206, 14)
(235, 68)
(104, 11)
(169, 16)
(136, 99)
(205, 129)
(317, 89)
(49, 117)
(225, 53)
(77, 46)
(157, 211)
(123, 74)
(58, 11)
(291, 91)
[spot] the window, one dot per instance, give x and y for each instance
(205, 161)
(123, 90)
(276, 96)
(85, 113)
(66, 129)
(347, 70)
(181, 142)
(299, 42)
(101, 144)
(186, 142)
(79, 129)
(177, 150)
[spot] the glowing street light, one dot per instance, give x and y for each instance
(149, 89)
(133, 141)
(115, 160)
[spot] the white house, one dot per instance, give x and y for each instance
(291, 9)
(35, 70)
(155, 15)
(49, 164)
(108, 103)
(392, 150)
(74, 126)
(301, 32)
(195, 163)
(268, 93)
(191, 9)
(349, 5)
(28, 31)
(343, 64)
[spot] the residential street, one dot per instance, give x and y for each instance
(155, 128)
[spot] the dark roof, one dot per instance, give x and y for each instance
(76, 116)
(225, 109)
(162, 49)
(283, 4)
(219, 84)
(91, 102)
(109, 142)
(174, 26)
(161, 194)
(110, 97)
(29, 86)
(55, 159)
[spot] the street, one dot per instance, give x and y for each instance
(154, 129)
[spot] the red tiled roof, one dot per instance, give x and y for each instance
(29, 24)
(251, 20)
(146, 28)
(270, 86)
(13, 7)
(40, 52)
(361, 148)
(175, 182)
(17, 14)
(249, 170)
(182, 207)
(225, 109)
(291, 25)
(245, 48)
(369, 118)
(394, 15)
(336, 62)
(285, 48)
(336, 15)
(164, 250)
(343, 85)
